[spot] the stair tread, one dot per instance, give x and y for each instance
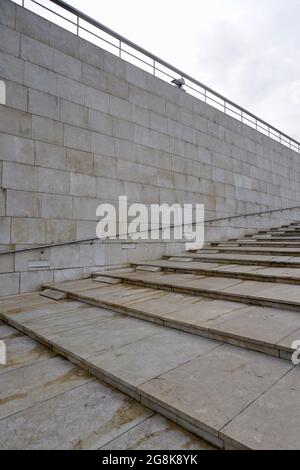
(264, 326)
(164, 368)
(251, 270)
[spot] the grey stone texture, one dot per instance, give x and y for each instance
(81, 126)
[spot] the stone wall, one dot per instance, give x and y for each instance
(81, 126)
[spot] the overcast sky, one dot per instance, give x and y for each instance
(247, 50)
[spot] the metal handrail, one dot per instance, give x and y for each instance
(216, 100)
(91, 240)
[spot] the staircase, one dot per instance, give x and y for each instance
(204, 338)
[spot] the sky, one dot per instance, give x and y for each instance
(247, 50)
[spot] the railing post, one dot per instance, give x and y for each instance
(77, 25)
(154, 67)
(120, 48)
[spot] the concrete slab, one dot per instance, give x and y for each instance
(54, 294)
(263, 325)
(216, 387)
(150, 357)
(110, 334)
(86, 417)
(39, 381)
(272, 421)
(157, 433)
(21, 350)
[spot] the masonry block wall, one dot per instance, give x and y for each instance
(81, 126)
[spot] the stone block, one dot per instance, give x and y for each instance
(23, 204)
(16, 149)
(9, 41)
(92, 255)
(54, 294)
(109, 189)
(94, 77)
(103, 144)
(56, 206)
(5, 230)
(113, 65)
(36, 52)
(8, 13)
(53, 181)
(140, 116)
(80, 162)
(16, 96)
(117, 87)
(7, 263)
(157, 104)
(18, 176)
(2, 202)
(32, 281)
(66, 65)
(66, 256)
(63, 40)
(15, 122)
(82, 185)
(136, 76)
(33, 25)
(33, 259)
(59, 231)
(159, 123)
(105, 166)
(125, 150)
(28, 231)
(70, 90)
(71, 274)
(50, 156)
(123, 129)
(100, 122)
(107, 280)
(47, 130)
(84, 208)
(96, 99)
(119, 108)
(72, 113)
(9, 284)
(43, 104)
(90, 53)
(85, 230)
(40, 78)
(78, 138)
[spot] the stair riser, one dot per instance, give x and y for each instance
(243, 276)
(270, 264)
(244, 251)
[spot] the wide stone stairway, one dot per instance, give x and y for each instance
(205, 338)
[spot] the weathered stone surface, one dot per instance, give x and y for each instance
(54, 294)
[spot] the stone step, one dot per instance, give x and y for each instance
(268, 294)
(164, 369)
(245, 272)
(257, 243)
(253, 250)
(257, 328)
(244, 259)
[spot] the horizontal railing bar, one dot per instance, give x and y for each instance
(87, 240)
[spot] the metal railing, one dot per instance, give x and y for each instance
(88, 28)
(91, 240)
